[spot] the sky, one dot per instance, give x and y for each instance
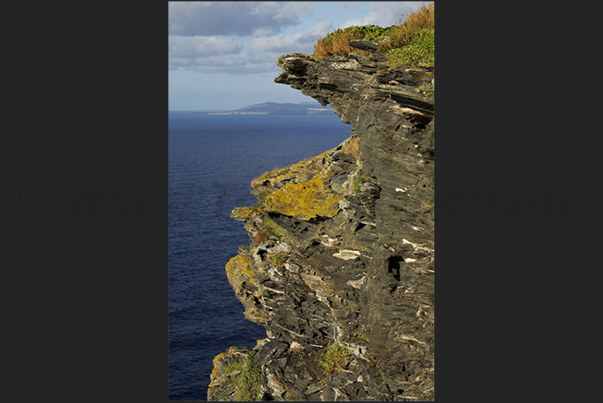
(222, 54)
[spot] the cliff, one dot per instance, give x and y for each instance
(340, 267)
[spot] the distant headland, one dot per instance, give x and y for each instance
(274, 108)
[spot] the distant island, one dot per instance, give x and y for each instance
(274, 108)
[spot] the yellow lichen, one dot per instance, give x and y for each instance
(217, 367)
(242, 213)
(305, 200)
(238, 270)
(298, 172)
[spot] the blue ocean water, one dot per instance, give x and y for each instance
(212, 160)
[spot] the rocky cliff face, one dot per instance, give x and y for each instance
(340, 269)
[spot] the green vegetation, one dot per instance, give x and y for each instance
(279, 260)
(274, 227)
(410, 42)
(334, 358)
(426, 90)
(372, 362)
(357, 182)
(269, 228)
(261, 197)
(337, 42)
(237, 366)
(420, 50)
(359, 339)
(405, 33)
(369, 32)
(248, 381)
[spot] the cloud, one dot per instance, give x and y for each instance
(216, 55)
(203, 35)
(298, 42)
(243, 63)
(247, 37)
(198, 46)
(234, 18)
(384, 13)
(213, 54)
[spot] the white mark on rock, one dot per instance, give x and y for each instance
(296, 347)
(351, 65)
(328, 242)
(347, 254)
(357, 283)
(404, 110)
(343, 204)
(409, 260)
(402, 336)
(273, 290)
(416, 246)
(290, 331)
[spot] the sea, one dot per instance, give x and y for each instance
(212, 160)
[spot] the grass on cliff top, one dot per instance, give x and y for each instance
(411, 41)
(337, 42)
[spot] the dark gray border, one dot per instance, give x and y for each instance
(86, 303)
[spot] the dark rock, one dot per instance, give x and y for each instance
(347, 246)
(364, 44)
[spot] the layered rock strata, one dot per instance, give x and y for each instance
(340, 270)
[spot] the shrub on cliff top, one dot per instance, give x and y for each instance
(337, 42)
(410, 28)
(410, 41)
